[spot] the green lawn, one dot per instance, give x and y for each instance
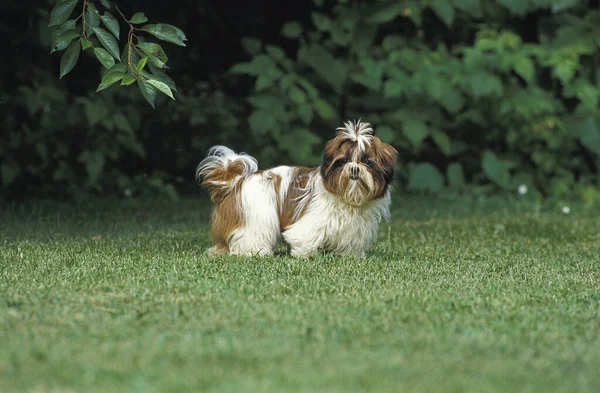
(455, 297)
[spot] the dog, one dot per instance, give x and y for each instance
(336, 207)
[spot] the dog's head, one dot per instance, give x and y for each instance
(357, 166)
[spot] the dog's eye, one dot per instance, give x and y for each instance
(341, 161)
(369, 163)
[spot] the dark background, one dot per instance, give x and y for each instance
(478, 96)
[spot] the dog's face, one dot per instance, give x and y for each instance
(357, 166)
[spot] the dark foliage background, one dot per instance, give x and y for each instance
(478, 96)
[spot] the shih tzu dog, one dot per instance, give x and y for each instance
(336, 207)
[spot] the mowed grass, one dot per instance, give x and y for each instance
(455, 297)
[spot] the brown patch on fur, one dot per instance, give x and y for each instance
(226, 217)
(276, 182)
(287, 207)
(217, 181)
(385, 158)
(336, 149)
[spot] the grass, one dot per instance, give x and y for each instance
(455, 297)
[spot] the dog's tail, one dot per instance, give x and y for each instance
(222, 170)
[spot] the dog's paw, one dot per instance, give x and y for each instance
(214, 251)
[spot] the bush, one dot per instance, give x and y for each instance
(501, 92)
(106, 143)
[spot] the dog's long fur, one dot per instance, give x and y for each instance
(336, 207)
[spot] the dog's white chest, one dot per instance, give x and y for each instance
(332, 225)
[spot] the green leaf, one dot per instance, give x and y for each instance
(260, 65)
(444, 10)
(61, 12)
(324, 109)
(105, 3)
(485, 84)
(92, 20)
(565, 69)
(155, 61)
(342, 37)
(394, 41)
(415, 131)
(109, 80)
(517, 7)
(299, 144)
(138, 18)
(371, 75)
(455, 175)
(163, 77)
(121, 67)
(524, 67)
(85, 43)
(122, 123)
(471, 6)
(69, 58)
(393, 88)
(8, 173)
(111, 23)
(154, 50)
(308, 87)
(275, 52)
(266, 101)
(286, 81)
(330, 69)
(321, 21)
(104, 58)
(56, 33)
(587, 93)
(305, 111)
(297, 95)
(388, 13)
(263, 82)
(244, 68)
(95, 112)
(141, 64)
(93, 162)
(112, 76)
(127, 80)
(166, 32)
(589, 135)
(69, 35)
(385, 133)
(251, 45)
(495, 169)
(147, 91)
(442, 141)
(562, 5)
(451, 99)
(63, 40)
(262, 121)
(425, 177)
(162, 87)
(291, 29)
(108, 41)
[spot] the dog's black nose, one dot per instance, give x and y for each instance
(354, 173)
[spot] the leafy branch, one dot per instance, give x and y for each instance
(145, 62)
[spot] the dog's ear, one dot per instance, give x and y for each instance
(328, 156)
(388, 156)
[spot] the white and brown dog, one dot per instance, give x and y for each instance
(336, 207)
